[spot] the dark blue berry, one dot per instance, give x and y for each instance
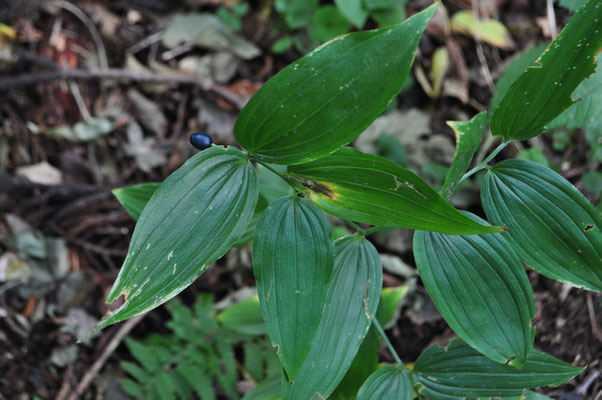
(201, 141)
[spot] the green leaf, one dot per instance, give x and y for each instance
(261, 205)
(388, 383)
(585, 113)
(488, 30)
(270, 389)
(592, 181)
(366, 359)
(134, 198)
(244, 317)
(325, 99)
(281, 45)
(370, 189)
(512, 72)
(481, 289)
(327, 23)
(383, 4)
(351, 303)
(389, 16)
(543, 92)
(293, 258)
(552, 227)
(468, 138)
(533, 154)
(296, 13)
(457, 371)
(353, 10)
(193, 219)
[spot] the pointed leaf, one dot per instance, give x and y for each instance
(366, 359)
(468, 138)
(481, 289)
(544, 91)
(457, 371)
(325, 99)
(134, 198)
(193, 219)
(244, 317)
(370, 189)
(270, 389)
(351, 302)
(551, 225)
(388, 383)
(293, 258)
(353, 10)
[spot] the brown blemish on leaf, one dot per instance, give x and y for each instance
(322, 188)
(366, 309)
(588, 227)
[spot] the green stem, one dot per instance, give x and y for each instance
(355, 226)
(283, 177)
(386, 340)
(374, 229)
(484, 162)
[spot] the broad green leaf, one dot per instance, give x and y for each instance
(244, 317)
(353, 10)
(457, 371)
(261, 205)
(366, 359)
(193, 219)
(544, 91)
(481, 289)
(592, 181)
(468, 138)
(388, 383)
(327, 23)
(134, 198)
(270, 389)
(512, 72)
(351, 302)
(325, 99)
(293, 259)
(586, 112)
(552, 227)
(271, 186)
(488, 30)
(388, 17)
(370, 189)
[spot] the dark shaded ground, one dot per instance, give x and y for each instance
(83, 212)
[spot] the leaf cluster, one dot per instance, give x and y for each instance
(199, 356)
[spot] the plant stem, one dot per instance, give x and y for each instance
(484, 162)
(374, 229)
(283, 177)
(386, 339)
(355, 226)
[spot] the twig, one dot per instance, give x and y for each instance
(592, 317)
(62, 74)
(91, 374)
(83, 17)
(551, 17)
(480, 53)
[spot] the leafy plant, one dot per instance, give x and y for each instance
(198, 357)
(319, 299)
(326, 22)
